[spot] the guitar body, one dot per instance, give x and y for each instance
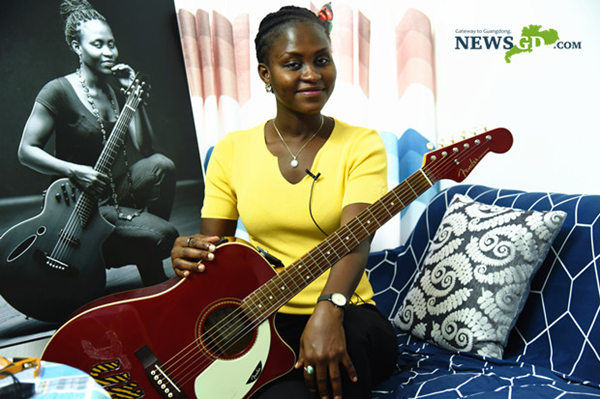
(160, 341)
(48, 286)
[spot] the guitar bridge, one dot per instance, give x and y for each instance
(44, 259)
(56, 264)
(158, 376)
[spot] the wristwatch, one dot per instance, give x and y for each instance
(339, 300)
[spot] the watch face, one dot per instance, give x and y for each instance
(338, 299)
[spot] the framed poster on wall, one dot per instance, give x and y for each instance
(33, 211)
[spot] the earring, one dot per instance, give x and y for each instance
(268, 88)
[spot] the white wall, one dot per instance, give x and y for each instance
(548, 98)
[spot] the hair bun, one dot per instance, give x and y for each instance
(68, 7)
(73, 14)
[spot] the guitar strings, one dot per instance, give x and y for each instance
(72, 228)
(189, 364)
(82, 211)
(82, 208)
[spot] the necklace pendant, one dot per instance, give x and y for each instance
(294, 163)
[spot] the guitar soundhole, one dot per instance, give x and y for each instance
(21, 248)
(227, 332)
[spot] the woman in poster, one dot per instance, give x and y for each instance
(80, 110)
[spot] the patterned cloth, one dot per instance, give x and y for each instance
(553, 349)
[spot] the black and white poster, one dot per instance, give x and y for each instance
(33, 52)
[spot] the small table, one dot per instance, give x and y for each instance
(59, 381)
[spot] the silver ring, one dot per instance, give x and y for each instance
(188, 241)
(309, 370)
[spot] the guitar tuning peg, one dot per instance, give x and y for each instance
(430, 146)
(441, 142)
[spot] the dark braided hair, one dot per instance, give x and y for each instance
(275, 23)
(74, 13)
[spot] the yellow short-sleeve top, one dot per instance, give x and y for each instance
(244, 180)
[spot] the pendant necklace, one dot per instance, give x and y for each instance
(294, 161)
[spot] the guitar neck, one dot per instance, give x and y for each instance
(294, 278)
(117, 137)
(454, 162)
(86, 203)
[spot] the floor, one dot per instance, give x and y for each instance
(16, 328)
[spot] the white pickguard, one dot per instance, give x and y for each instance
(226, 379)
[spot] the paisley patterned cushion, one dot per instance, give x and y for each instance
(476, 274)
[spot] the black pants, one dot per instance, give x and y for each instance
(372, 346)
(146, 239)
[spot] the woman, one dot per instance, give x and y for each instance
(262, 175)
(80, 110)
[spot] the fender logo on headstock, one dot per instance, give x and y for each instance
(472, 163)
(118, 384)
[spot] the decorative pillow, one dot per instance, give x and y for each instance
(476, 274)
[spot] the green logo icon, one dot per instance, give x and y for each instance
(532, 37)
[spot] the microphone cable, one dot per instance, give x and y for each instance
(312, 186)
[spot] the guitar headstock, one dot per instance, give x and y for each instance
(138, 90)
(457, 160)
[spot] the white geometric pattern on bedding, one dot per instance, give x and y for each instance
(558, 332)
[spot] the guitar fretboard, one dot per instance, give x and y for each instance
(87, 205)
(280, 289)
(453, 162)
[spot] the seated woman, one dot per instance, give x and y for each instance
(293, 180)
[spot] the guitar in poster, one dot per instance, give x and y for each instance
(56, 253)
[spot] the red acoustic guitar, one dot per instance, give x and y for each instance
(212, 335)
(52, 264)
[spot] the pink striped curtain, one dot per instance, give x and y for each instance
(414, 57)
(217, 54)
(416, 93)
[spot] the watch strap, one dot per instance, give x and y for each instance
(329, 297)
